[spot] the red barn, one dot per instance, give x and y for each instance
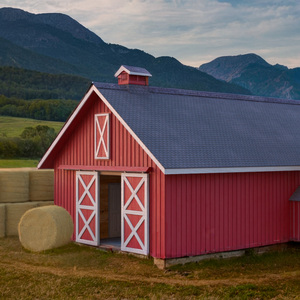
(174, 173)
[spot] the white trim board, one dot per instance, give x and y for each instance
(230, 170)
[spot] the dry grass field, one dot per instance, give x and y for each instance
(81, 272)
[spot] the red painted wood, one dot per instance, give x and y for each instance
(125, 78)
(295, 221)
(126, 155)
(229, 211)
(190, 214)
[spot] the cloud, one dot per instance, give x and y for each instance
(193, 31)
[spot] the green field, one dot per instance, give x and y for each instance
(18, 163)
(12, 126)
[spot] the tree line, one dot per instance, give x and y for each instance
(27, 84)
(32, 143)
(50, 110)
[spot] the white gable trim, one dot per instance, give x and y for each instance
(129, 130)
(73, 116)
(230, 170)
(65, 127)
(122, 68)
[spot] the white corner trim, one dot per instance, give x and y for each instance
(230, 170)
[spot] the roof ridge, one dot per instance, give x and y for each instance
(184, 92)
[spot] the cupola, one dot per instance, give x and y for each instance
(132, 75)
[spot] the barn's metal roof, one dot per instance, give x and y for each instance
(201, 130)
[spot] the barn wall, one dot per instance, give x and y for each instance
(295, 220)
(125, 151)
(222, 212)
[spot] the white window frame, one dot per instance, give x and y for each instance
(101, 139)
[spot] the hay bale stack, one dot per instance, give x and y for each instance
(14, 212)
(2, 220)
(14, 185)
(45, 203)
(41, 183)
(44, 228)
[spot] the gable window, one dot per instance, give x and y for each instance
(102, 140)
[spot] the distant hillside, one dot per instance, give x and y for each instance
(41, 96)
(26, 84)
(55, 43)
(255, 74)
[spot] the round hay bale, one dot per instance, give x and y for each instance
(44, 228)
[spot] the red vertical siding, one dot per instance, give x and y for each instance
(209, 213)
(125, 152)
(295, 220)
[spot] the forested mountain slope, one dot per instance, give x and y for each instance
(56, 43)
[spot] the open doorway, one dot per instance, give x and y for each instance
(110, 211)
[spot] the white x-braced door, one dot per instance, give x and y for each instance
(135, 220)
(87, 208)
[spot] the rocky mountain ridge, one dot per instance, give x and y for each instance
(255, 74)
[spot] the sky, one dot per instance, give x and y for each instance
(192, 31)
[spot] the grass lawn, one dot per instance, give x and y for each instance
(75, 271)
(18, 163)
(12, 127)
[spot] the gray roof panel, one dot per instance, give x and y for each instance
(191, 129)
(296, 195)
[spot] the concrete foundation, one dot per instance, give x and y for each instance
(165, 263)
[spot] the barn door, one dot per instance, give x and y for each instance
(87, 208)
(134, 220)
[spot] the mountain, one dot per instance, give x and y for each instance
(255, 74)
(56, 43)
(229, 67)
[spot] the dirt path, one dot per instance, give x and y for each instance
(15, 265)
